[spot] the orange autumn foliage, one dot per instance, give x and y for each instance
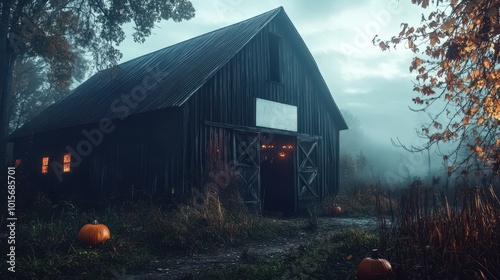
(457, 73)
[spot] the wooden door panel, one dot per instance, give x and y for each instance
(307, 171)
(246, 149)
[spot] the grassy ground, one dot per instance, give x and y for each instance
(335, 257)
(47, 247)
(360, 198)
(143, 230)
(432, 235)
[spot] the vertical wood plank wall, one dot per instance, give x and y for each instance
(167, 149)
(229, 97)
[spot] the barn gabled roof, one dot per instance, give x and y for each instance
(184, 68)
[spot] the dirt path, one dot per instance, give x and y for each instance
(185, 267)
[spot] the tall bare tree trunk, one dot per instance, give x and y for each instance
(7, 58)
(6, 64)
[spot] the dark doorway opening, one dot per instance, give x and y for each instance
(277, 173)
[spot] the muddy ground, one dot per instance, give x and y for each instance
(185, 267)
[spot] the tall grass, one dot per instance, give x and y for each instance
(140, 232)
(361, 199)
(442, 238)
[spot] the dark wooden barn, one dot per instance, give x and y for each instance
(245, 103)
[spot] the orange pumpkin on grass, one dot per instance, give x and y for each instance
(336, 210)
(374, 268)
(94, 234)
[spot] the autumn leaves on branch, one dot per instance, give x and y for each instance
(456, 51)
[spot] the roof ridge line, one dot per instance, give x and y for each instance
(276, 10)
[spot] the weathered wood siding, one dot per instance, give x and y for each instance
(169, 149)
(229, 97)
(142, 153)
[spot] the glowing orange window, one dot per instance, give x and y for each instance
(67, 163)
(18, 163)
(45, 165)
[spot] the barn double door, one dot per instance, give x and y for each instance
(246, 151)
(245, 159)
(308, 187)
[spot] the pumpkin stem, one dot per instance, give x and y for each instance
(95, 222)
(375, 254)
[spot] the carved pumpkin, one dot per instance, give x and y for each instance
(373, 268)
(336, 210)
(94, 234)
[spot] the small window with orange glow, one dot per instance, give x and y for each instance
(67, 163)
(45, 165)
(17, 163)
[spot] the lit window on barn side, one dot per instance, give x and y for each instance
(45, 165)
(67, 163)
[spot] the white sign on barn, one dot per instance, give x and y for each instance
(275, 115)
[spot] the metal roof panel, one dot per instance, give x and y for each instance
(177, 72)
